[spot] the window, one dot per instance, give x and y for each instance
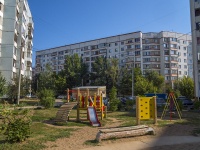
(179, 72)
(173, 39)
(116, 50)
(197, 25)
(185, 60)
(179, 66)
(166, 52)
(137, 53)
(116, 44)
(198, 40)
(110, 50)
(128, 46)
(137, 46)
(185, 72)
(184, 54)
(122, 49)
(122, 43)
(167, 71)
(137, 40)
(184, 48)
(146, 59)
(130, 41)
(165, 45)
(166, 58)
(185, 66)
(197, 12)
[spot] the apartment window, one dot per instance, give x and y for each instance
(185, 60)
(122, 55)
(137, 53)
(122, 49)
(198, 40)
(166, 58)
(130, 41)
(146, 59)
(166, 52)
(146, 53)
(15, 51)
(116, 44)
(197, 12)
(173, 52)
(116, 50)
(122, 43)
(166, 65)
(165, 39)
(165, 45)
(184, 48)
(137, 40)
(137, 46)
(110, 50)
(185, 66)
(167, 78)
(179, 72)
(167, 71)
(179, 66)
(128, 46)
(185, 72)
(173, 39)
(197, 25)
(185, 54)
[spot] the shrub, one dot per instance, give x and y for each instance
(197, 105)
(46, 97)
(129, 104)
(16, 124)
(114, 101)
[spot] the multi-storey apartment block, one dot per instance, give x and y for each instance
(16, 34)
(195, 25)
(165, 52)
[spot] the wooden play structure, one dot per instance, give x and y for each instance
(170, 106)
(146, 109)
(88, 100)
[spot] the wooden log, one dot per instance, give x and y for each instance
(125, 133)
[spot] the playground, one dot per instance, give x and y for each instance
(74, 126)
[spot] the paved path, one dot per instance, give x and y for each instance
(152, 142)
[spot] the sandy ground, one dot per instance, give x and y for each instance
(84, 134)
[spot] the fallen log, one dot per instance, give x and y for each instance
(124, 132)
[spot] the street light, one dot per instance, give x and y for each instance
(133, 66)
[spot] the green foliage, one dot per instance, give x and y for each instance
(114, 101)
(16, 125)
(2, 85)
(12, 88)
(129, 104)
(125, 82)
(75, 70)
(46, 79)
(46, 97)
(186, 86)
(197, 105)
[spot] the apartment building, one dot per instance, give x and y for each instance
(16, 33)
(168, 53)
(195, 28)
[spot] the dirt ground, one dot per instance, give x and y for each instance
(84, 136)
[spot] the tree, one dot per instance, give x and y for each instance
(12, 88)
(125, 82)
(60, 83)
(114, 101)
(156, 79)
(112, 70)
(98, 75)
(185, 85)
(2, 85)
(75, 70)
(46, 79)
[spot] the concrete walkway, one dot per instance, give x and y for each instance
(147, 143)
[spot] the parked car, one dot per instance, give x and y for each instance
(160, 102)
(105, 101)
(62, 97)
(187, 103)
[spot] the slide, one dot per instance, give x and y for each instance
(92, 114)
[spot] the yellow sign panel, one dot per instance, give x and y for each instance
(146, 108)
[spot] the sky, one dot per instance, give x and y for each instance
(63, 22)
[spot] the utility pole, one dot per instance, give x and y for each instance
(133, 75)
(19, 44)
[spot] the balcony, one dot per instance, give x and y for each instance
(30, 31)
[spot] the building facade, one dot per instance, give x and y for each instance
(195, 28)
(165, 52)
(16, 39)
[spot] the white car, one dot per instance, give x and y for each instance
(62, 97)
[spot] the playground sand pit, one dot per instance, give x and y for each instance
(84, 137)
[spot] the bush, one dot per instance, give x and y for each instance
(197, 105)
(114, 101)
(16, 125)
(129, 104)
(46, 98)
